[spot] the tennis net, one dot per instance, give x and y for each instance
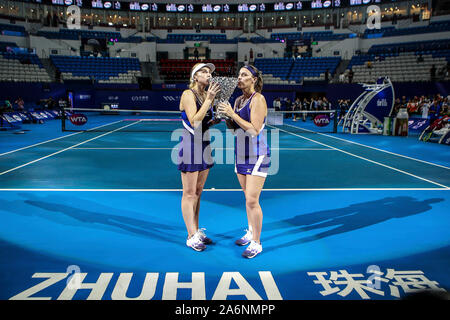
(127, 120)
(102, 120)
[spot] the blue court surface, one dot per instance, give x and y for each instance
(345, 218)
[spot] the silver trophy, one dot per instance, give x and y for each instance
(227, 86)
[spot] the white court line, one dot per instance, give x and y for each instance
(37, 144)
(372, 161)
(46, 141)
(122, 148)
(283, 149)
(363, 145)
(60, 151)
(222, 190)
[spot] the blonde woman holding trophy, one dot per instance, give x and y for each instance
(194, 158)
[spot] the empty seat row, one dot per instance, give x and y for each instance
(24, 58)
(100, 68)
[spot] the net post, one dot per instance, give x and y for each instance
(63, 119)
(335, 122)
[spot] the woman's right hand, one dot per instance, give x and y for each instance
(213, 89)
(226, 109)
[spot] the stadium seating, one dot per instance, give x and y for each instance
(105, 70)
(439, 26)
(73, 34)
(277, 67)
(390, 59)
(295, 70)
(57, 35)
(422, 47)
(401, 68)
(377, 33)
(316, 36)
(24, 67)
(179, 69)
(181, 38)
(12, 30)
(196, 37)
(5, 44)
(400, 62)
(313, 68)
(257, 40)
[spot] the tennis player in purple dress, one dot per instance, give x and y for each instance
(252, 153)
(194, 158)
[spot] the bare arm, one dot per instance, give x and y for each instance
(188, 104)
(258, 113)
(229, 122)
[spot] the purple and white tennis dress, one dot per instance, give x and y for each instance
(192, 155)
(252, 153)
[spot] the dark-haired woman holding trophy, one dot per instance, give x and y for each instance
(252, 153)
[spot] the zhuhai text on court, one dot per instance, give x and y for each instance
(149, 289)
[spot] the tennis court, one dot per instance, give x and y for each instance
(338, 210)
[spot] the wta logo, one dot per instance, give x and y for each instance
(322, 120)
(78, 119)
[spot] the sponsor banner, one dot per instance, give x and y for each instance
(362, 129)
(16, 117)
(12, 118)
(322, 120)
(78, 119)
(418, 124)
(184, 86)
(446, 139)
(381, 104)
(153, 100)
(168, 86)
(49, 114)
(159, 100)
(164, 99)
(84, 99)
(54, 113)
(24, 116)
(36, 115)
(43, 115)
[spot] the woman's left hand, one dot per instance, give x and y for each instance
(226, 109)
